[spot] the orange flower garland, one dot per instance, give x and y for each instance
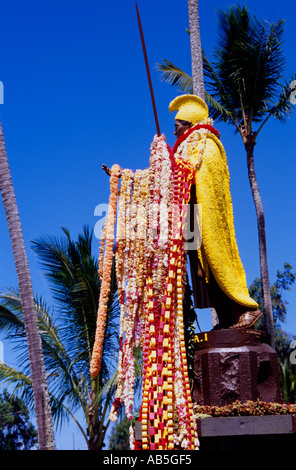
(107, 267)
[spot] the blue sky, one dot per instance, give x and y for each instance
(76, 96)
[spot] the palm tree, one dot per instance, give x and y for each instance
(244, 89)
(283, 341)
(196, 50)
(68, 335)
(39, 383)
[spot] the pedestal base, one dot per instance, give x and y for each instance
(235, 365)
(273, 433)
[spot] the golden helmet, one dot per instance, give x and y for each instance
(190, 108)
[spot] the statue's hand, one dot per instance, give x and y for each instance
(106, 169)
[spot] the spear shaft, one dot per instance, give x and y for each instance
(148, 71)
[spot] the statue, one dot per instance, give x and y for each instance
(228, 363)
(150, 261)
(217, 272)
(151, 270)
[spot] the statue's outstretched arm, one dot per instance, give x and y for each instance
(108, 171)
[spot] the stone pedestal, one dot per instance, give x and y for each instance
(260, 433)
(235, 365)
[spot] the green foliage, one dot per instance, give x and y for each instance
(288, 381)
(67, 336)
(174, 76)
(120, 436)
(16, 431)
(248, 61)
(244, 82)
(72, 272)
(189, 329)
(284, 281)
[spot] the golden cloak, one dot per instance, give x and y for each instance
(218, 251)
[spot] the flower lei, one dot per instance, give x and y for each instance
(166, 392)
(106, 270)
(186, 146)
(150, 270)
(207, 124)
(130, 272)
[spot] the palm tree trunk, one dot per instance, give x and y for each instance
(196, 51)
(38, 375)
(249, 146)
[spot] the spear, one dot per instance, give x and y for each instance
(148, 71)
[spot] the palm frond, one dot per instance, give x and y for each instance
(216, 110)
(243, 84)
(283, 107)
(175, 76)
(248, 61)
(13, 376)
(11, 318)
(74, 281)
(67, 331)
(18, 382)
